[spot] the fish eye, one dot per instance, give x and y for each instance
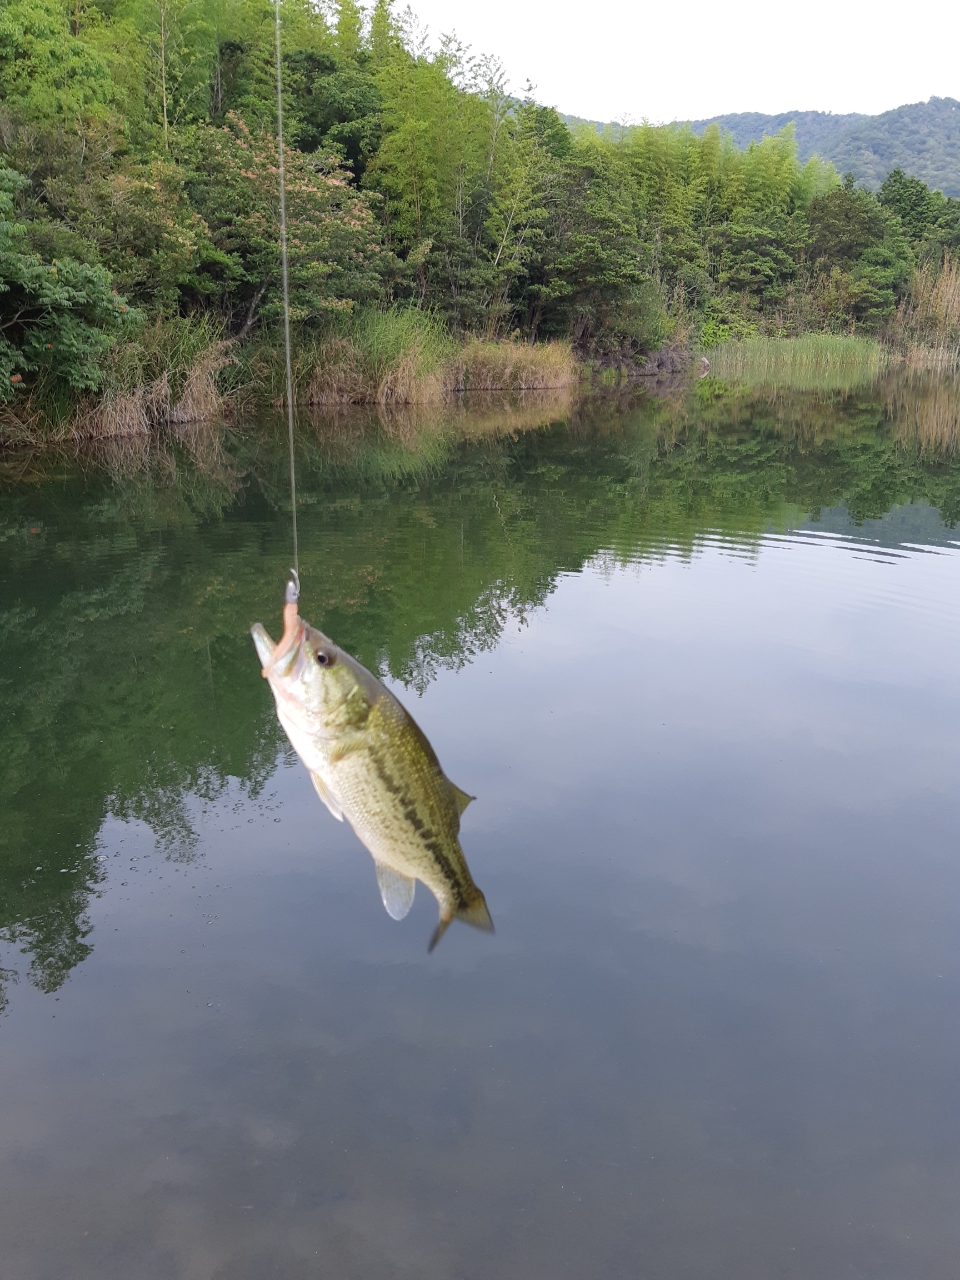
(324, 659)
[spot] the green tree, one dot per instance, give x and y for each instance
(334, 241)
(861, 260)
(590, 274)
(56, 318)
(336, 106)
(49, 73)
(911, 201)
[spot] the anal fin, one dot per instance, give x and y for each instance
(327, 796)
(396, 890)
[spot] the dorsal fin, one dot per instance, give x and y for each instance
(327, 796)
(396, 890)
(460, 798)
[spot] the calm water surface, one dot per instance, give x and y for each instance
(698, 661)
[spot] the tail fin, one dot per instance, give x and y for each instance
(475, 913)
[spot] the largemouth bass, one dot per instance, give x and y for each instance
(371, 764)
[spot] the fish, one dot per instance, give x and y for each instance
(372, 765)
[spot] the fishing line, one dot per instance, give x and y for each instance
(286, 297)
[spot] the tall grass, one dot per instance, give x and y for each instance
(167, 372)
(927, 325)
(511, 366)
(374, 356)
(401, 355)
(816, 362)
(180, 370)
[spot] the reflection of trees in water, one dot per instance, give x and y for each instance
(128, 681)
(926, 411)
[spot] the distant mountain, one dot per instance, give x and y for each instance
(922, 138)
(816, 131)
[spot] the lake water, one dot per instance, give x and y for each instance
(699, 660)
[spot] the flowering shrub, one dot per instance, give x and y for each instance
(333, 236)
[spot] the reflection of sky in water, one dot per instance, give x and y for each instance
(714, 1036)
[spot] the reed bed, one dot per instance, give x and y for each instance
(816, 362)
(511, 366)
(167, 373)
(402, 356)
(929, 316)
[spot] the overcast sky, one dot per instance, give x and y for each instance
(610, 59)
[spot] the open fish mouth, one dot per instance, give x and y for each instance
(265, 646)
(279, 659)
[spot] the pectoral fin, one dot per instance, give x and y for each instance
(396, 890)
(327, 796)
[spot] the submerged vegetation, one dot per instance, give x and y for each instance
(446, 235)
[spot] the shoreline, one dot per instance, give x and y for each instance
(339, 375)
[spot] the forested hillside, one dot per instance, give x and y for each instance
(922, 138)
(815, 131)
(139, 236)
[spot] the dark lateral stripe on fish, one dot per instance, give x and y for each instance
(427, 836)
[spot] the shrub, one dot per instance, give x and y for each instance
(57, 318)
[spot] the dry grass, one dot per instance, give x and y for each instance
(511, 366)
(171, 373)
(927, 324)
(119, 412)
(330, 374)
(405, 356)
(340, 372)
(168, 374)
(934, 299)
(200, 396)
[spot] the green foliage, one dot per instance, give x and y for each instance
(860, 257)
(930, 219)
(48, 71)
(922, 138)
(333, 239)
(912, 201)
(336, 106)
(591, 267)
(57, 318)
(843, 224)
(815, 131)
(137, 218)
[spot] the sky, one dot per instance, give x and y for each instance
(616, 60)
